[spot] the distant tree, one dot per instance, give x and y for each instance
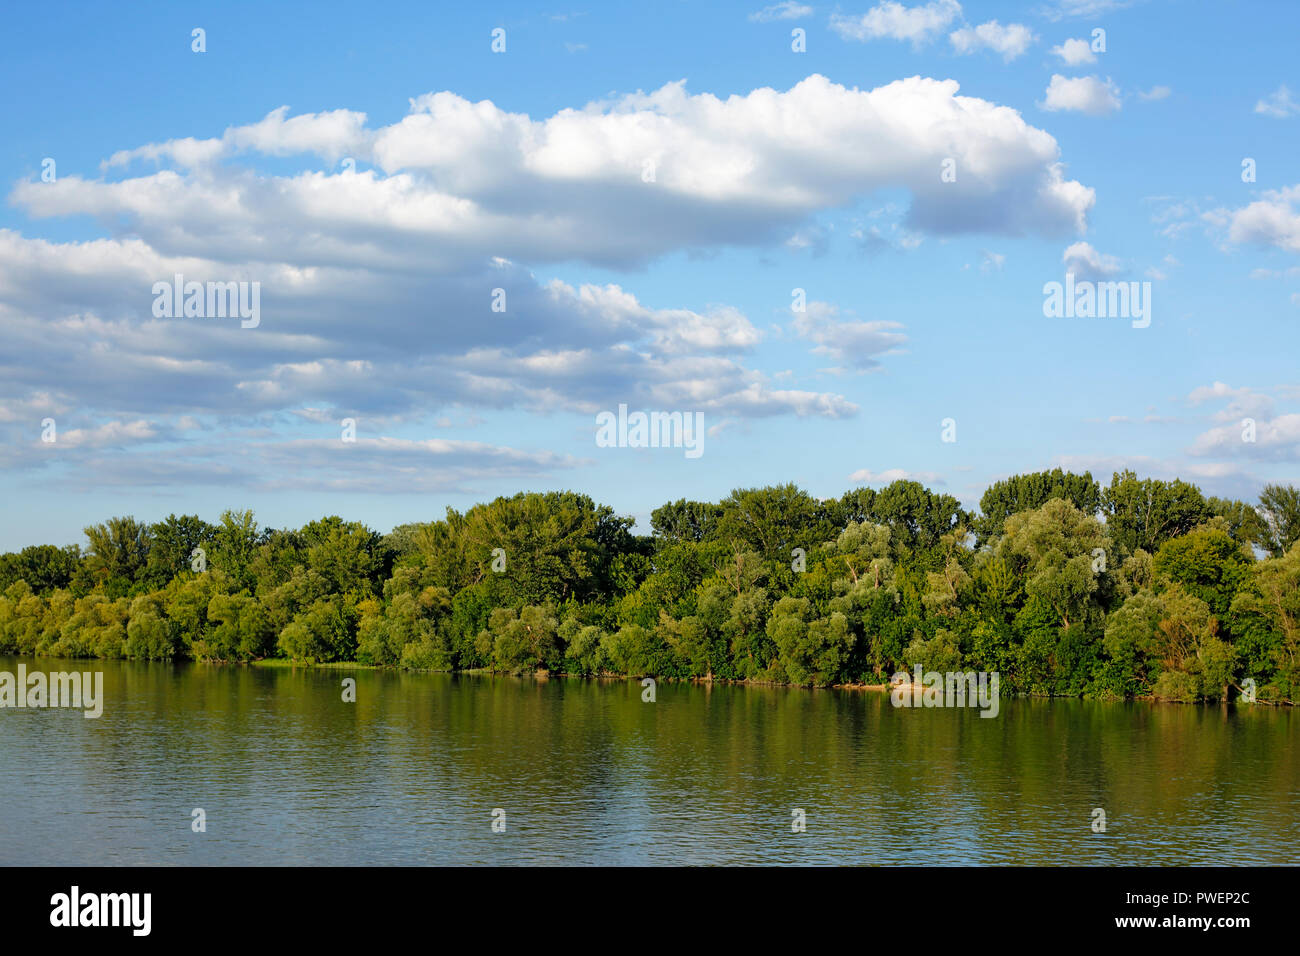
(173, 543)
(1052, 550)
(810, 650)
(1166, 597)
(916, 516)
(771, 521)
(118, 551)
(1280, 509)
(684, 521)
(1242, 521)
(1030, 491)
(1208, 564)
(43, 566)
(1145, 513)
(1269, 607)
(553, 546)
(234, 544)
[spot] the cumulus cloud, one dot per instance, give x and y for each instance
(377, 277)
(893, 21)
(1084, 94)
(1279, 104)
(850, 343)
(1248, 426)
(333, 135)
(1276, 440)
(1273, 220)
(1155, 93)
(1087, 263)
(1010, 41)
(458, 181)
(1241, 401)
(1074, 52)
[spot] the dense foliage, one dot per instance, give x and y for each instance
(1141, 588)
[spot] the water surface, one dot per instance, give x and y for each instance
(288, 773)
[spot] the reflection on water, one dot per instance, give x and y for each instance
(410, 774)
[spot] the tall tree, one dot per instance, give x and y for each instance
(174, 541)
(43, 566)
(1028, 492)
(682, 520)
(1145, 513)
(916, 516)
(119, 549)
(1280, 508)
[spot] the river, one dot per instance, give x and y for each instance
(421, 766)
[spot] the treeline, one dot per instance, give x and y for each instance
(1141, 588)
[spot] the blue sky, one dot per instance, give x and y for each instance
(526, 170)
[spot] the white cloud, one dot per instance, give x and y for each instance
(890, 20)
(1276, 440)
(848, 343)
(1066, 9)
(1087, 263)
(1274, 273)
(376, 282)
(1074, 52)
(458, 182)
(1242, 402)
(1279, 104)
(333, 135)
(1085, 94)
(786, 10)
(1155, 93)
(373, 465)
(107, 435)
(1010, 41)
(463, 181)
(866, 476)
(1273, 220)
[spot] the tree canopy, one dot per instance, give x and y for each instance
(1144, 587)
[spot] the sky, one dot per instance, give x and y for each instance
(826, 230)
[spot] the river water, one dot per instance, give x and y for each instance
(421, 766)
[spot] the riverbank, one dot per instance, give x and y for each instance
(278, 664)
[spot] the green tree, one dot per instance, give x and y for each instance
(684, 521)
(1030, 492)
(1146, 513)
(173, 542)
(917, 517)
(810, 650)
(44, 567)
(1053, 550)
(1269, 609)
(1279, 507)
(118, 551)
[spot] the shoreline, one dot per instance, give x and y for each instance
(279, 663)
